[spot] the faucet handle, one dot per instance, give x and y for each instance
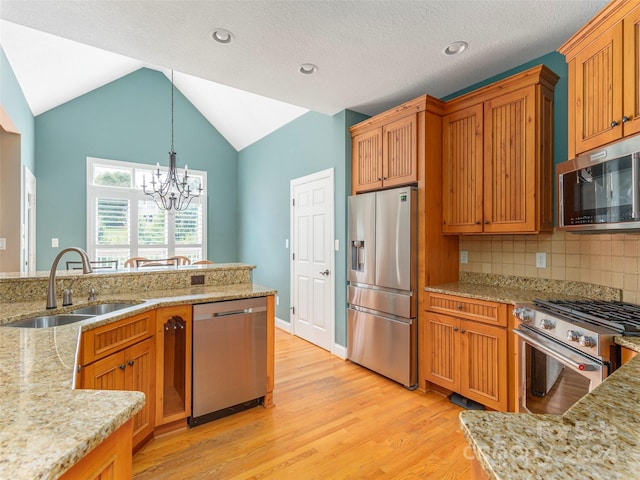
(92, 294)
(66, 297)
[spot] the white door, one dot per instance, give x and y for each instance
(312, 276)
(29, 222)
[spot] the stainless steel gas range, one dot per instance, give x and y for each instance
(566, 349)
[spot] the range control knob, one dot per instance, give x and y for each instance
(547, 324)
(523, 314)
(586, 341)
(573, 335)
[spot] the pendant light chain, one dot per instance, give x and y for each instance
(171, 193)
(172, 110)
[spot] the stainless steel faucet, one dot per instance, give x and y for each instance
(51, 291)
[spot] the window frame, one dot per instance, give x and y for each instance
(135, 194)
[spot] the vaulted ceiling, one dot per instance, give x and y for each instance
(370, 54)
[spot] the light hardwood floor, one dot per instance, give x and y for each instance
(332, 420)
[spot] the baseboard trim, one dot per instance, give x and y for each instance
(283, 325)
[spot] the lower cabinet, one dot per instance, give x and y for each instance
(111, 460)
(122, 356)
(466, 348)
(173, 367)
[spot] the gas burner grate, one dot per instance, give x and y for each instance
(621, 316)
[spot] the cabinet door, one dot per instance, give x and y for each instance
(366, 161)
(510, 158)
(631, 60)
(462, 170)
(484, 364)
(442, 342)
(140, 375)
(105, 374)
(598, 91)
(400, 152)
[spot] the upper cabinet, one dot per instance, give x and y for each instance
(385, 149)
(604, 78)
(498, 157)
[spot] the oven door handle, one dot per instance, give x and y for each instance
(544, 347)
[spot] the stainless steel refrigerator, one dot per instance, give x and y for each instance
(381, 283)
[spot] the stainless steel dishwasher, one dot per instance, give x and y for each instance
(229, 358)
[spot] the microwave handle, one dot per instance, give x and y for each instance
(635, 186)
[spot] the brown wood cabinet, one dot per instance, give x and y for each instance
(173, 367)
(498, 157)
(466, 348)
(110, 460)
(122, 356)
(385, 149)
(604, 78)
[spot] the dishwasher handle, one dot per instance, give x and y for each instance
(240, 312)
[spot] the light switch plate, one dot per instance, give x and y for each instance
(464, 256)
(54, 243)
(3, 243)
(541, 260)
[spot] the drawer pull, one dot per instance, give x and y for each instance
(459, 306)
(131, 362)
(123, 366)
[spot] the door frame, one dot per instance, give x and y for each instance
(328, 173)
(28, 250)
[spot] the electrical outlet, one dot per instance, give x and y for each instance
(197, 279)
(277, 300)
(464, 256)
(54, 243)
(541, 260)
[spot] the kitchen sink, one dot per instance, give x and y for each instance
(83, 313)
(101, 309)
(48, 321)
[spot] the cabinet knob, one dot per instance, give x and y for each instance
(131, 362)
(462, 331)
(455, 329)
(614, 124)
(459, 306)
(477, 222)
(486, 222)
(625, 119)
(379, 179)
(123, 366)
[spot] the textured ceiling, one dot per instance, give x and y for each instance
(371, 54)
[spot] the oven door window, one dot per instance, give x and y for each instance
(551, 387)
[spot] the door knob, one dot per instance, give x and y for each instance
(326, 272)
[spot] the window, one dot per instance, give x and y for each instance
(123, 222)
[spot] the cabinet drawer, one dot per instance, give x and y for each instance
(102, 341)
(477, 310)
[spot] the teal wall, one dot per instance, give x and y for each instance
(128, 119)
(15, 104)
(309, 144)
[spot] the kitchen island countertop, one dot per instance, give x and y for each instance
(46, 425)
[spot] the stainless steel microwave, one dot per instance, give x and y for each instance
(599, 191)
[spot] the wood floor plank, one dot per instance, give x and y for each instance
(331, 420)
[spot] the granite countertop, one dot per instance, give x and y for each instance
(515, 290)
(47, 426)
(598, 438)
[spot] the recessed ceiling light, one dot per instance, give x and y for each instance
(455, 48)
(308, 68)
(221, 35)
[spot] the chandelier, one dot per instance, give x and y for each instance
(171, 192)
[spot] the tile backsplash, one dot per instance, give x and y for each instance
(602, 259)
